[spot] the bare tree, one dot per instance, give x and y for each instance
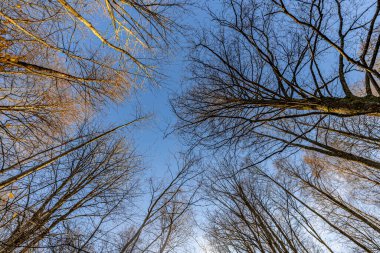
(166, 225)
(65, 188)
(80, 199)
(290, 209)
(275, 77)
(252, 215)
(58, 62)
(278, 74)
(89, 181)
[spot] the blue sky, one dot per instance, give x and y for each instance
(157, 149)
(150, 138)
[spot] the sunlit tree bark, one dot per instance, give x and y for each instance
(61, 59)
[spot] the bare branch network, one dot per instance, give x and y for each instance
(282, 103)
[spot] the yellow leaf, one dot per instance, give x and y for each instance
(11, 195)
